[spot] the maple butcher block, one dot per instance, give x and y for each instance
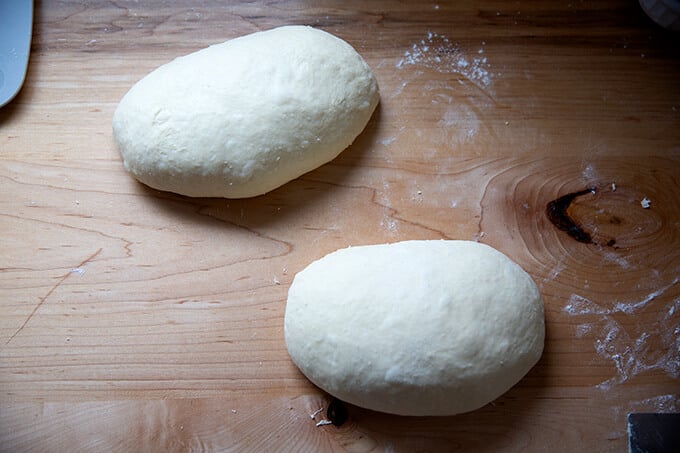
(137, 320)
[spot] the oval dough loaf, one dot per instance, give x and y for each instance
(243, 117)
(416, 327)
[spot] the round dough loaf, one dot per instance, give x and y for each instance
(415, 327)
(243, 117)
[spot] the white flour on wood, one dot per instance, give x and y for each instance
(437, 52)
(633, 351)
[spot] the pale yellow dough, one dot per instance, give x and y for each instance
(416, 327)
(241, 118)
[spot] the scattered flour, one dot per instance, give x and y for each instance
(437, 52)
(463, 117)
(387, 141)
(388, 221)
(590, 174)
(663, 403)
(632, 353)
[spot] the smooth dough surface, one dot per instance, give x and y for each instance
(415, 327)
(241, 118)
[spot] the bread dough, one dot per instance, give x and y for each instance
(416, 327)
(243, 117)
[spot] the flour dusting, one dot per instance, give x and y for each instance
(663, 403)
(388, 221)
(387, 141)
(579, 305)
(464, 118)
(437, 52)
(632, 352)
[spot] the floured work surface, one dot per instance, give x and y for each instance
(141, 320)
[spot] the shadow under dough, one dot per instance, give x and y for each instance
(281, 203)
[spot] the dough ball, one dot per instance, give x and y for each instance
(415, 327)
(243, 117)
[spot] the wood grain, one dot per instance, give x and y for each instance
(135, 320)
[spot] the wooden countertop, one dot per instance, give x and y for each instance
(139, 320)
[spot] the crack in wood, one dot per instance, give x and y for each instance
(42, 300)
